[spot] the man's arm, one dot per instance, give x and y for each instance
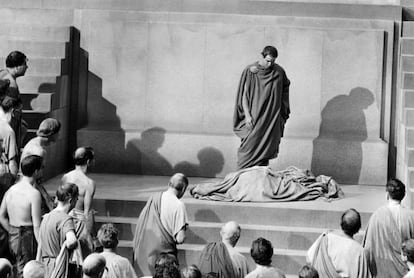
(180, 236)
(4, 220)
(36, 213)
(71, 240)
(13, 166)
(246, 108)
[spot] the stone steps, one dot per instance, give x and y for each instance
(218, 212)
(34, 49)
(38, 83)
(41, 66)
(292, 227)
(38, 101)
(13, 31)
(37, 17)
(283, 237)
(289, 261)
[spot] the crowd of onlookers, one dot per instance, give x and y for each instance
(44, 236)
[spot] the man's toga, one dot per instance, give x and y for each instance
(267, 94)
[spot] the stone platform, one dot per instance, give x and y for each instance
(291, 226)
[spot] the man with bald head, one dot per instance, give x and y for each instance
(221, 257)
(34, 269)
(93, 266)
(337, 253)
(161, 225)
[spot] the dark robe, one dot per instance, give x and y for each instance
(383, 240)
(262, 184)
(216, 259)
(151, 238)
(267, 93)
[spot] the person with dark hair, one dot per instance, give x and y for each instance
(262, 253)
(9, 156)
(161, 225)
(47, 134)
(408, 256)
(118, 267)
(261, 111)
(166, 270)
(308, 271)
(16, 66)
(337, 253)
(20, 214)
(387, 228)
(83, 213)
(57, 229)
(221, 257)
(94, 266)
(191, 271)
(9, 153)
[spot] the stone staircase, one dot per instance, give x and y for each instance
(43, 35)
(406, 74)
(292, 227)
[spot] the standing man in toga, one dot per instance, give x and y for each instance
(262, 108)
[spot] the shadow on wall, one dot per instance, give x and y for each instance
(144, 155)
(211, 163)
(337, 151)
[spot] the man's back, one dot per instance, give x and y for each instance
(21, 201)
(118, 267)
(173, 214)
(85, 184)
(33, 147)
(383, 238)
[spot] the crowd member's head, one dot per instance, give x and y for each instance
(166, 258)
(31, 165)
(5, 268)
(230, 233)
(408, 250)
(308, 271)
(7, 105)
(191, 271)
(269, 55)
(16, 62)
(262, 251)
(93, 266)
(67, 195)
(167, 271)
(49, 129)
(350, 222)
(108, 236)
(179, 183)
(34, 269)
(83, 156)
(395, 189)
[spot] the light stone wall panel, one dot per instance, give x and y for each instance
(175, 71)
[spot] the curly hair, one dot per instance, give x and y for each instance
(108, 236)
(395, 189)
(262, 251)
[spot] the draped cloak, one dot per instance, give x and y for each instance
(383, 240)
(335, 256)
(267, 94)
(263, 184)
(215, 258)
(151, 238)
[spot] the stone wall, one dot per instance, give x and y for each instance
(161, 89)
